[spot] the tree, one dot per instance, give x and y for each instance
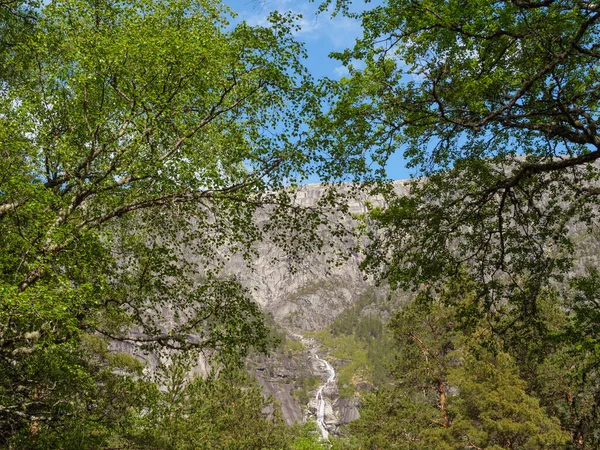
(452, 389)
(227, 411)
(138, 140)
(493, 410)
(496, 104)
(563, 370)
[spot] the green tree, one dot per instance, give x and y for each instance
(307, 437)
(492, 409)
(496, 104)
(452, 390)
(224, 411)
(138, 141)
(561, 363)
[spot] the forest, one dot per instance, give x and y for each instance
(146, 146)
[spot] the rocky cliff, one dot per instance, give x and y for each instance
(306, 299)
(317, 290)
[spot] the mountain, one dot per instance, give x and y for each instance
(310, 295)
(306, 298)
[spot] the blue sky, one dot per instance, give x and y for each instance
(321, 34)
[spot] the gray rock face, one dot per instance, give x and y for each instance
(310, 299)
(347, 409)
(306, 299)
(282, 390)
(318, 290)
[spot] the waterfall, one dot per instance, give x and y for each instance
(321, 401)
(319, 395)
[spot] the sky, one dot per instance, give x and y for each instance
(321, 35)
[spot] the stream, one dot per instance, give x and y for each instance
(321, 401)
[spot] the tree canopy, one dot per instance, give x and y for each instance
(455, 387)
(495, 104)
(138, 141)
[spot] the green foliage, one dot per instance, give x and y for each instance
(360, 347)
(353, 317)
(496, 105)
(277, 336)
(448, 82)
(304, 386)
(559, 359)
(138, 141)
(452, 388)
(350, 359)
(293, 347)
(362, 332)
(97, 394)
(222, 412)
(492, 409)
(390, 420)
(307, 437)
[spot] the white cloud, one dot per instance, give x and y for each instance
(341, 71)
(339, 31)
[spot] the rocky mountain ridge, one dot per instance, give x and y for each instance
(312, 295)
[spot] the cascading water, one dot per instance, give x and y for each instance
(321, 401)
(319, 395)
